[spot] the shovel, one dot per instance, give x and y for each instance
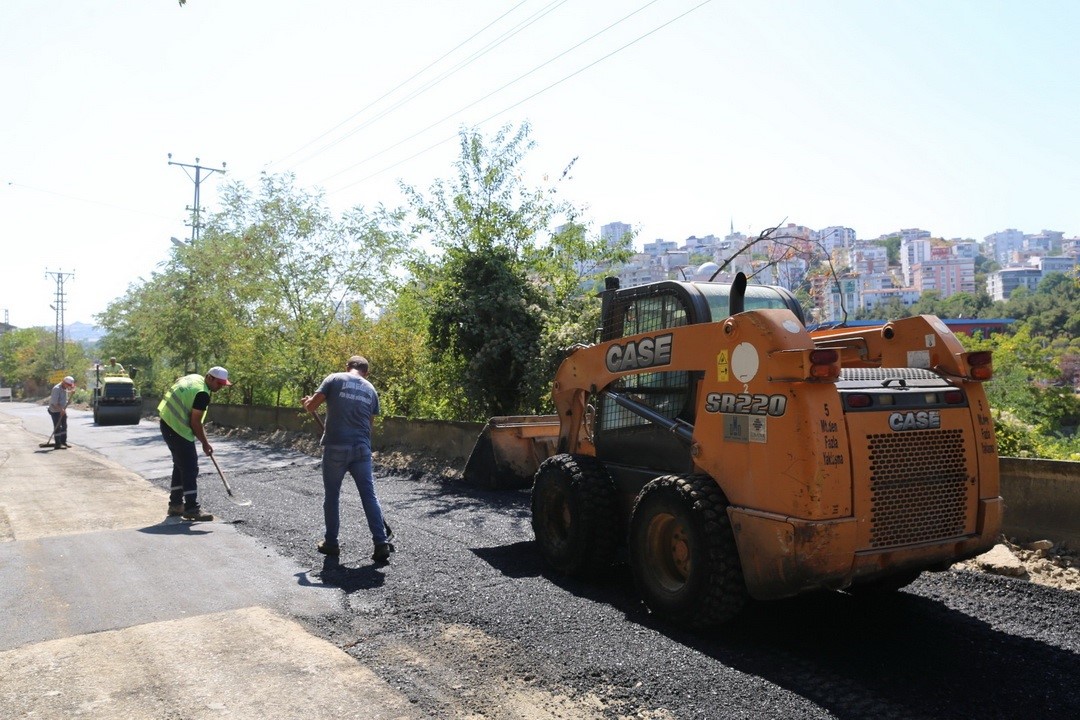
(242, 502)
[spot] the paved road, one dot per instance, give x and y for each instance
(140, 448)
(465, 623)
(110, 610)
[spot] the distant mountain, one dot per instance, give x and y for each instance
(83, 332)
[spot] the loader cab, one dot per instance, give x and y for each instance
(625, 438)
(671, 303)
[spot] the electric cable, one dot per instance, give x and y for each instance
(551, 7)
(508, 108)
(399, 85)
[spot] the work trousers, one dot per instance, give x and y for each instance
(185, 468)
(59, 421)
(356, 460)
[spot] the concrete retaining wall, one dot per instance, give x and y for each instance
(444, 440)
(1042, 497)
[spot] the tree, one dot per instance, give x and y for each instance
(267, 291)
(26, 358)
(503, 284)
(892, 248)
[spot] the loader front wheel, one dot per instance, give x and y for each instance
(682, 552)
(574, 515)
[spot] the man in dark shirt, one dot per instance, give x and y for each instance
(351, 403)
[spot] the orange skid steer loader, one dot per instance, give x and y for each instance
(732, 454)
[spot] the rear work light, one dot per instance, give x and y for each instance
(824, 364)
(981, 364)
(859, 400)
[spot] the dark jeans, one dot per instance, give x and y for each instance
(59, 421)
(336, 461)
(185, 468)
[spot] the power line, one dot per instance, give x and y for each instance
(551, 7)
(86, 200)
(497, 91)
(394, 89)
(510, 107)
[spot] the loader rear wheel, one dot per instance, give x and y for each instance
(682, 552)
(574, 515)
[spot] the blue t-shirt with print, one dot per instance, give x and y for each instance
(351, 402)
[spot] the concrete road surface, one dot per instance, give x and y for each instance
(108, 609)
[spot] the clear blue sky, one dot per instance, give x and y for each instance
(957, 117)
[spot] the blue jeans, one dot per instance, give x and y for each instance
(185, 468)
(356, 460)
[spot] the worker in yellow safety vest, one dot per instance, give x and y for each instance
(182, 412)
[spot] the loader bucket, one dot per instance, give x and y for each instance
(509, 450)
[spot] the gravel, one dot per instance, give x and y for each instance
(466, 623)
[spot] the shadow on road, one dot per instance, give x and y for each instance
(347, 579)
(174, 527)
(903, 655)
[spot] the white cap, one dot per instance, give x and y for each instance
(219, 373)
(69, 380)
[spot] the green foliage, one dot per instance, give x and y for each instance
(1027, 391)
(27, 361)
(268, 291)
(486, 322)
(957, 305)
(504, 287)
(892, 248)
(1052, 310)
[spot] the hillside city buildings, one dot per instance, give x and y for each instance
(849, 273)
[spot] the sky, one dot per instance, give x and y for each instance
(685, 117)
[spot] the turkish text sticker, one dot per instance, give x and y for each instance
(759, 429)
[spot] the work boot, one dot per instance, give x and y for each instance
(176, 510)
(329, 548)
(382, 553)
(196, 514)
(59, 446)
(66, 446)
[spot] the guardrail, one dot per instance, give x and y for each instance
(1042, 497)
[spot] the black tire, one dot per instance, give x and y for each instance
(883, 587)
(683, 554)
(574, 515)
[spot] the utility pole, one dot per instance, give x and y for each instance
(196, 209)
(58, 307)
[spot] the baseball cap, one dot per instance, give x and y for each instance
(219, 373)
(69, 380)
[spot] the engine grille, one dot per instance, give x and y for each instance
(918, 487)
(877, 374)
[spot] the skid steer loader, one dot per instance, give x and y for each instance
(731, 454)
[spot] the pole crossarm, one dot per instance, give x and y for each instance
(196, 209)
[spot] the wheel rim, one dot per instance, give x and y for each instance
(668, 550)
